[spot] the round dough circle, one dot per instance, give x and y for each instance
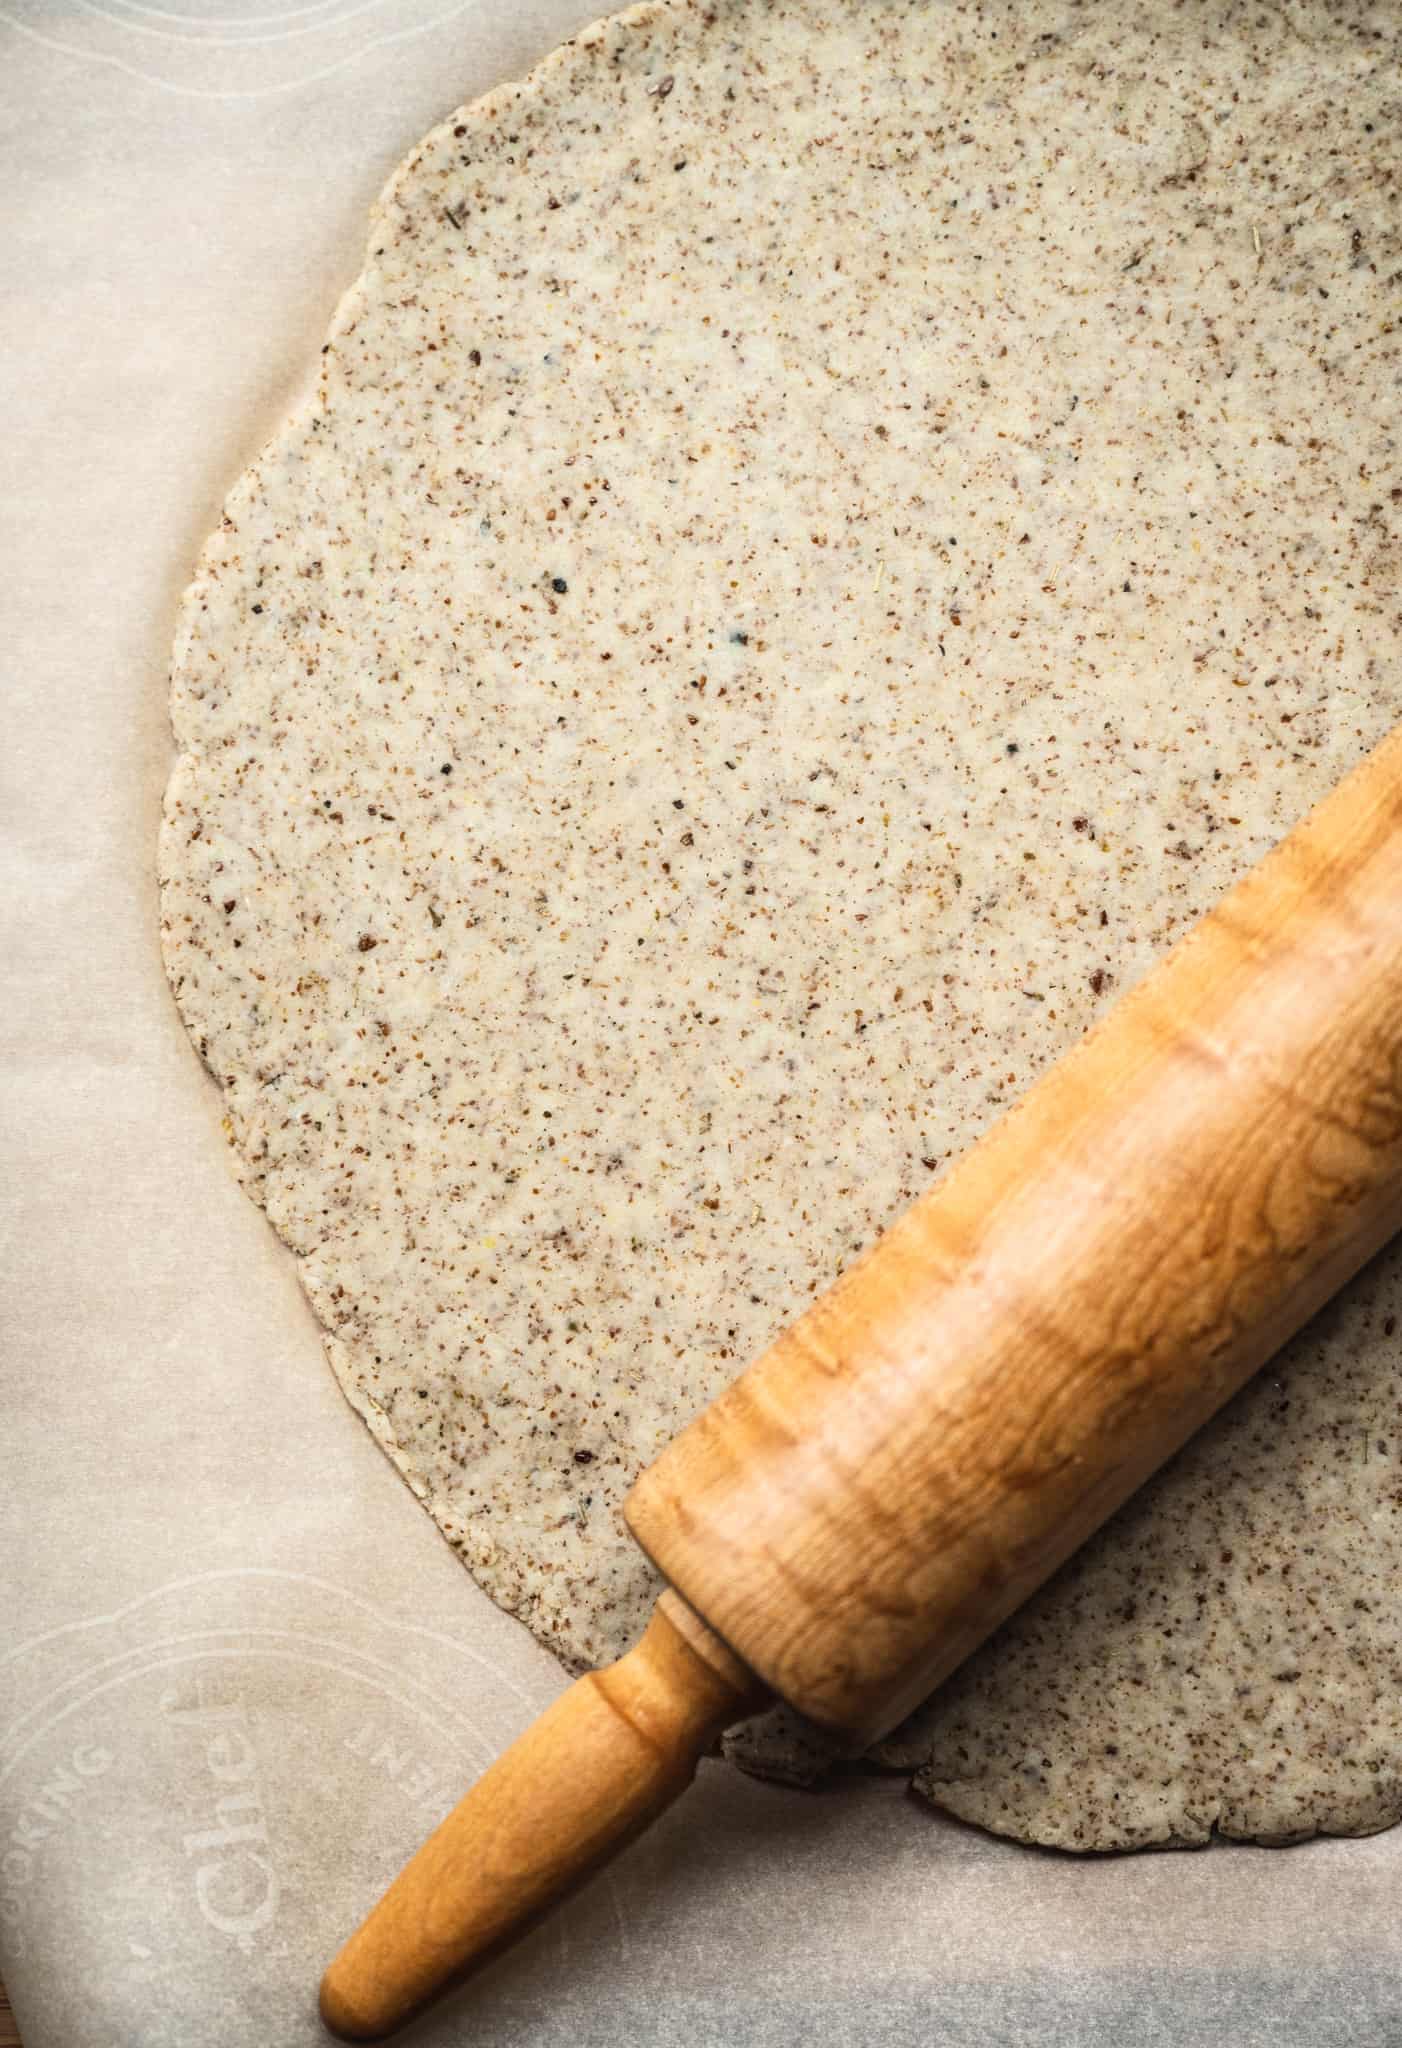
(826, 535)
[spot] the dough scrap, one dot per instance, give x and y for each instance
(827, 533)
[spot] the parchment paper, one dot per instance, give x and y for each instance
(240, 1673)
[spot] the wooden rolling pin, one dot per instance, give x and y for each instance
(937, 1434)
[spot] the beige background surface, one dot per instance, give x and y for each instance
(241, 1673)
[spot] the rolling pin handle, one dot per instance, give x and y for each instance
(595, 1770)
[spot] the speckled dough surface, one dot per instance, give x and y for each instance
(826, 535)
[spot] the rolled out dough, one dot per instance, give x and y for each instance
(825, 535)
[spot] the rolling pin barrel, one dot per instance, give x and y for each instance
(927, 1443)
(1114, 1259)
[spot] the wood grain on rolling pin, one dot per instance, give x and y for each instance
(939, 1432)
(9, 2032)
